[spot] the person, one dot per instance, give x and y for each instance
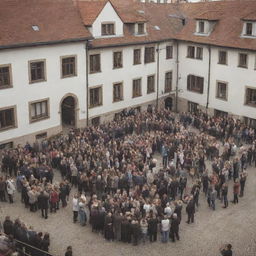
(236, 188)
(10, 189)
(81, 212)
(174, 230)
(213, 197)
(227, 250)
(8, 226)
(165, 228)
(144, 229)
(45, 242)
(43, 200)
(75, 207)
(108, 227)
(69, 251)
(152, 228)
(224, 193)
(190, 209)
(242, 183)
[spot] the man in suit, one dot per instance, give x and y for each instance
(43, 199)
(190, 209)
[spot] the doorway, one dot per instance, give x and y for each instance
(168, 103)
(68, 106)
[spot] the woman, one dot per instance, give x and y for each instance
(81, 212)
(108, 227)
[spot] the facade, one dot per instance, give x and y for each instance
(123, 55)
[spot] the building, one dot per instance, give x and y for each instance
(92, 59)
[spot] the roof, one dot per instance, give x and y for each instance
(227, 30)
(57, 21)
(250, 16)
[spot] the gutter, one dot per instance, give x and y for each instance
(73, 40)
(87, 81)
(177, 79)
(157, 77)
(209, 78)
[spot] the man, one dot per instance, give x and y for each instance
(213, 197)
(227, 250)
(10, 189)
(69, 251)
(174, 230)
(236, 188)
(242, 183)
(224, 193)
(8, 226)
(165, 227)
(190, 209)
(152, 229)
(43, 199)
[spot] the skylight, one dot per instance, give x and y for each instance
(156, 28)
(35, 28)
(141, 11)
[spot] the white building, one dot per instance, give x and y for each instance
(202, 54)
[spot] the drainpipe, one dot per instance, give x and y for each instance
(87, 81)
(177, 80)
(209, 78)
(157, 78)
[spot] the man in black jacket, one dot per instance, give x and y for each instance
(8, 226)
(152, 229)
(190, 209)
(43, 200)
(174, 229)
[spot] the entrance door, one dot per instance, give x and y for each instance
(68, 111)
(168, 103)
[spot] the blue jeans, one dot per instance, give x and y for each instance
(165, 236)
(82, 217)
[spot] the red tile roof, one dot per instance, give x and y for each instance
(227, 30)
(58, 21)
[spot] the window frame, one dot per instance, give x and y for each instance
(199, 53)
(138, 28)
(44, 79)
(61, 66)
(14, 107)
(188, 52)
(217, 90)
(122, 92)
(140, 93)
(154, 83)
(149, 60)
(94, 71)
(106, 24)
(10, 76)
(121, 66)
(245, 101)
(39, 118)
(201, 91)
(201, 22)
(137, 49)
(100, 96)
(169, 52)
(226, 58)
(165, 81)
(246, 28)
(239, 59)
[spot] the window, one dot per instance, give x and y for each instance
(149, 54)
(7, 118)
(220, 113)
(96, 121)
(192, 107)
(222, 57)
(107, 29)
(168, 82)
(141, 30)
(151, 84)
(242, 60)
(7, 145)
(191, 52)
(248, 29)
(41, 136)
(195, 84)
(37, 71)
(95, 63)
(201, 26)
(195, 52)
(250, 122)
(117, 60)
(169, 51)
(68, 66)
(5, 76)
(38, 110)
(221, 90)
(136, 56)
(95, 97)
(117, 92)
(136, 88)
(250, 97)
(199, 53)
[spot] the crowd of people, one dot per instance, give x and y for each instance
(16, 238)
(113, 166)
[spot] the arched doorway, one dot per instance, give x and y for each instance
(68, 113)
(168, 103)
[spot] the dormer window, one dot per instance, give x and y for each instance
(201, 27)
(141, 29)
(107, 29)
(248, 28)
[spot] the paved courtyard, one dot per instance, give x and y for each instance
(235, 225)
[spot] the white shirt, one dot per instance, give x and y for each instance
(165, 225)
(75, 204)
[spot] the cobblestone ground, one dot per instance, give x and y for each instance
(235, 225)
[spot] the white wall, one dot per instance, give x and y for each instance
(193, 67)
(237, 79)
(54, 88)
(108, 76)
(107, 15)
